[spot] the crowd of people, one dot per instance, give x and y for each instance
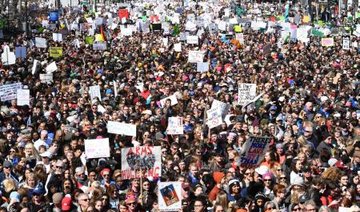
(309, 107)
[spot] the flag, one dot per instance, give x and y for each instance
(102, 33)
(286, 14)
(317, 33)
(176, 30)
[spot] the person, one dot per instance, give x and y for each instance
(310, 206)
(83, 201)
(199, 205)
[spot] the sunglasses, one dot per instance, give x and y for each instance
(131, 203)
(85, 200)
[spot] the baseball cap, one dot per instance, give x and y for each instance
(66, 203)
(7, 164)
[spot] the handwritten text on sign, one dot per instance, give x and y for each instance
(255, 149)
(121, 128)
(97, 148)
(144, 158)
(246, 93)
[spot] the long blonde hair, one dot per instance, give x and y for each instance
(221, 199)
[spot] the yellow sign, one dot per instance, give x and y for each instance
(237, 28)
(56, 52)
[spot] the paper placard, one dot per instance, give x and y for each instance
(346, 42)
(51, 67)
(223, 107)
(20, 52)
(145, 158)
(172, 98)
(33, 69)
(97, 148)
(246, 93)
(45, 78)
(8, 57)
(169, 196)
(255, 149)
(177, 47)
(195, 56)
(8, 91)
(99, 46)
(202, 67)
(40, 42)
(120, 128)
(327, 42)
(57, 37)
(23, 97)
(214, 117)
(56, 52)
(94, 92)
(175, 126)
(192, 39)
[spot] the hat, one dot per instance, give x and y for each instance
(332, 161)
(79, 170)
(66, 203)
(233, 181)
(273, 108)
(46, 154)
(147, 112)
(7, 164)
(339, 164)
(303, 198)
(260, 196)
(218, 176)
(15, 196)
(57, 197)
(262, 170)
(130, 199)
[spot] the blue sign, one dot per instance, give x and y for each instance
(54, 16)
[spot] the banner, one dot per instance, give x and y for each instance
(94, 92)
(254, 151)
(327, 42)
(23, 97)
(8, 91)
(45, 78)
(195, 56)
(56, 52)
(214, 117)
(97, 148)
(144, 158)
(246, 93)
(169, 196)
(120, 128)
(175, 126)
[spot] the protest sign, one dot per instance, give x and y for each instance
(144, 158)
(51, 67)
(40, 42)
(246, 93)
(175, 126)
(99, 46)
(346, 42)
(45, 78)
(195, 56)
(214, 117)
(120, 128)
(54, 16)
(202, 67)
(177, 47)
(240, 37)
(170, 197)
(57, 37)
(254, 151)
(23, 97)
(172, 98)
(7, 57)
(33, 69)
(20, 52)
(55, 52)
(8, 91)
(223, 107)
(192, 39)
(97, 148)
(327, 42)
(95, 92)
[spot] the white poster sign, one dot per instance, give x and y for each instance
(97, 148)
(202, 67)
(45, 78)
(175, 126)
(23, 97)
(144, 158)
(195, 56)
(8, 91)
(40, 42)
(177, 47)
(172, 98)
(120, 128)
(192, 39)
(57, 37)
(214, 117)
(169, 196)
(33, 69)
(51, 67)
(223, 106)
(94, 92)
(246, 93)
(8, 57)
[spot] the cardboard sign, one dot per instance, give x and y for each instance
(23, 97)
(175, 126)
(214, 117)
(144, 158)
(8, 57)
(254, 151)
(51, 67)
(97, 148)
(56, 52)
(20, 52)
(45, 78)
(57, 37)
(195, 56)
(327, 42)
(94, 92)
(169, 196)
(246, 93)
(121, 128)
(172, 98)
(192, 39)
(40, 42)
